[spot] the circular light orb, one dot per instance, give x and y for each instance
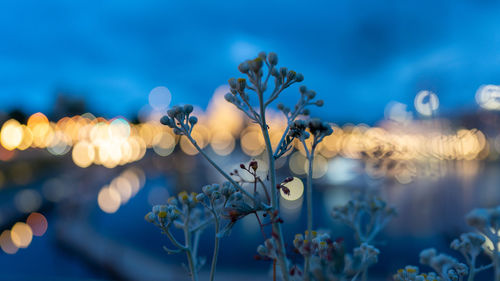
(426, 102)
(297, 162)
(222, 143)
(164, 144)
(119, 128)
(28, 200)
(38, 223)
(11, 134)
(21, 235)
(83, 154)
(6, 243)
(488, 97)
(109, 200)
(159, 98)
(296, 188)
(320, 166)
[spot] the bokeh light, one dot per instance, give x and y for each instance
(109, 200)
(7, 244)
(38, 223)
(426, 103)
(159, 98)
(21, 235)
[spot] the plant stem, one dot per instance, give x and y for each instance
(189, 250)
(472, 269)
(309, 207)
(276, 226)
(189, 255)
(495, 256)
(216, 247)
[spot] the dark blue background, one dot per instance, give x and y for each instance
(359, 55)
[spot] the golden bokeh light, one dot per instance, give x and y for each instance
(320, 166)
(109, 200)
(11, 134)
(222, 143)
(83, 154)
(21, 235)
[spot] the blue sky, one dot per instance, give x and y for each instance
(358, 55)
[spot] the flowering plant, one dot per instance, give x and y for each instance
(225, 204)
(470, 245)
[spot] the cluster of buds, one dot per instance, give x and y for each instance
(487, 222)
(176, 210)
(298, 130)
(163, 214)
(283, 76)
(257, 82)
(410, 273)
(356, 212)
(178, 118)
(306, 99)
(235, 207)
(320, 245)
(302, 130)
(367, 254)
(269, 249)
(448, 268)
(210, 193)
(470, 245)
(319, 129)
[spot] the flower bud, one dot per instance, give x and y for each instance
(299, 77)
(281, 106)
(149, 217)
(275, 72)
(233, 83)
(241, 84)
(291, 75)
(165, 120)
(171, 113)
(272, 58)
(188, 109)
(255, 64)
(283, 71)
(193, 120)
(262, 55)
(229, 97)
(306, 112)
(253, 165)
(311, 94)
(320, 102)
(303, 89)
(200, 197)
(216, 195)
(244, 67)
(207, 189)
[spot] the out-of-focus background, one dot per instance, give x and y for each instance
(412, 92)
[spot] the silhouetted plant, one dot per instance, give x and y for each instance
(225, 204)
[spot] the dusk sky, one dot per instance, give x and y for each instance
(358, 55)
